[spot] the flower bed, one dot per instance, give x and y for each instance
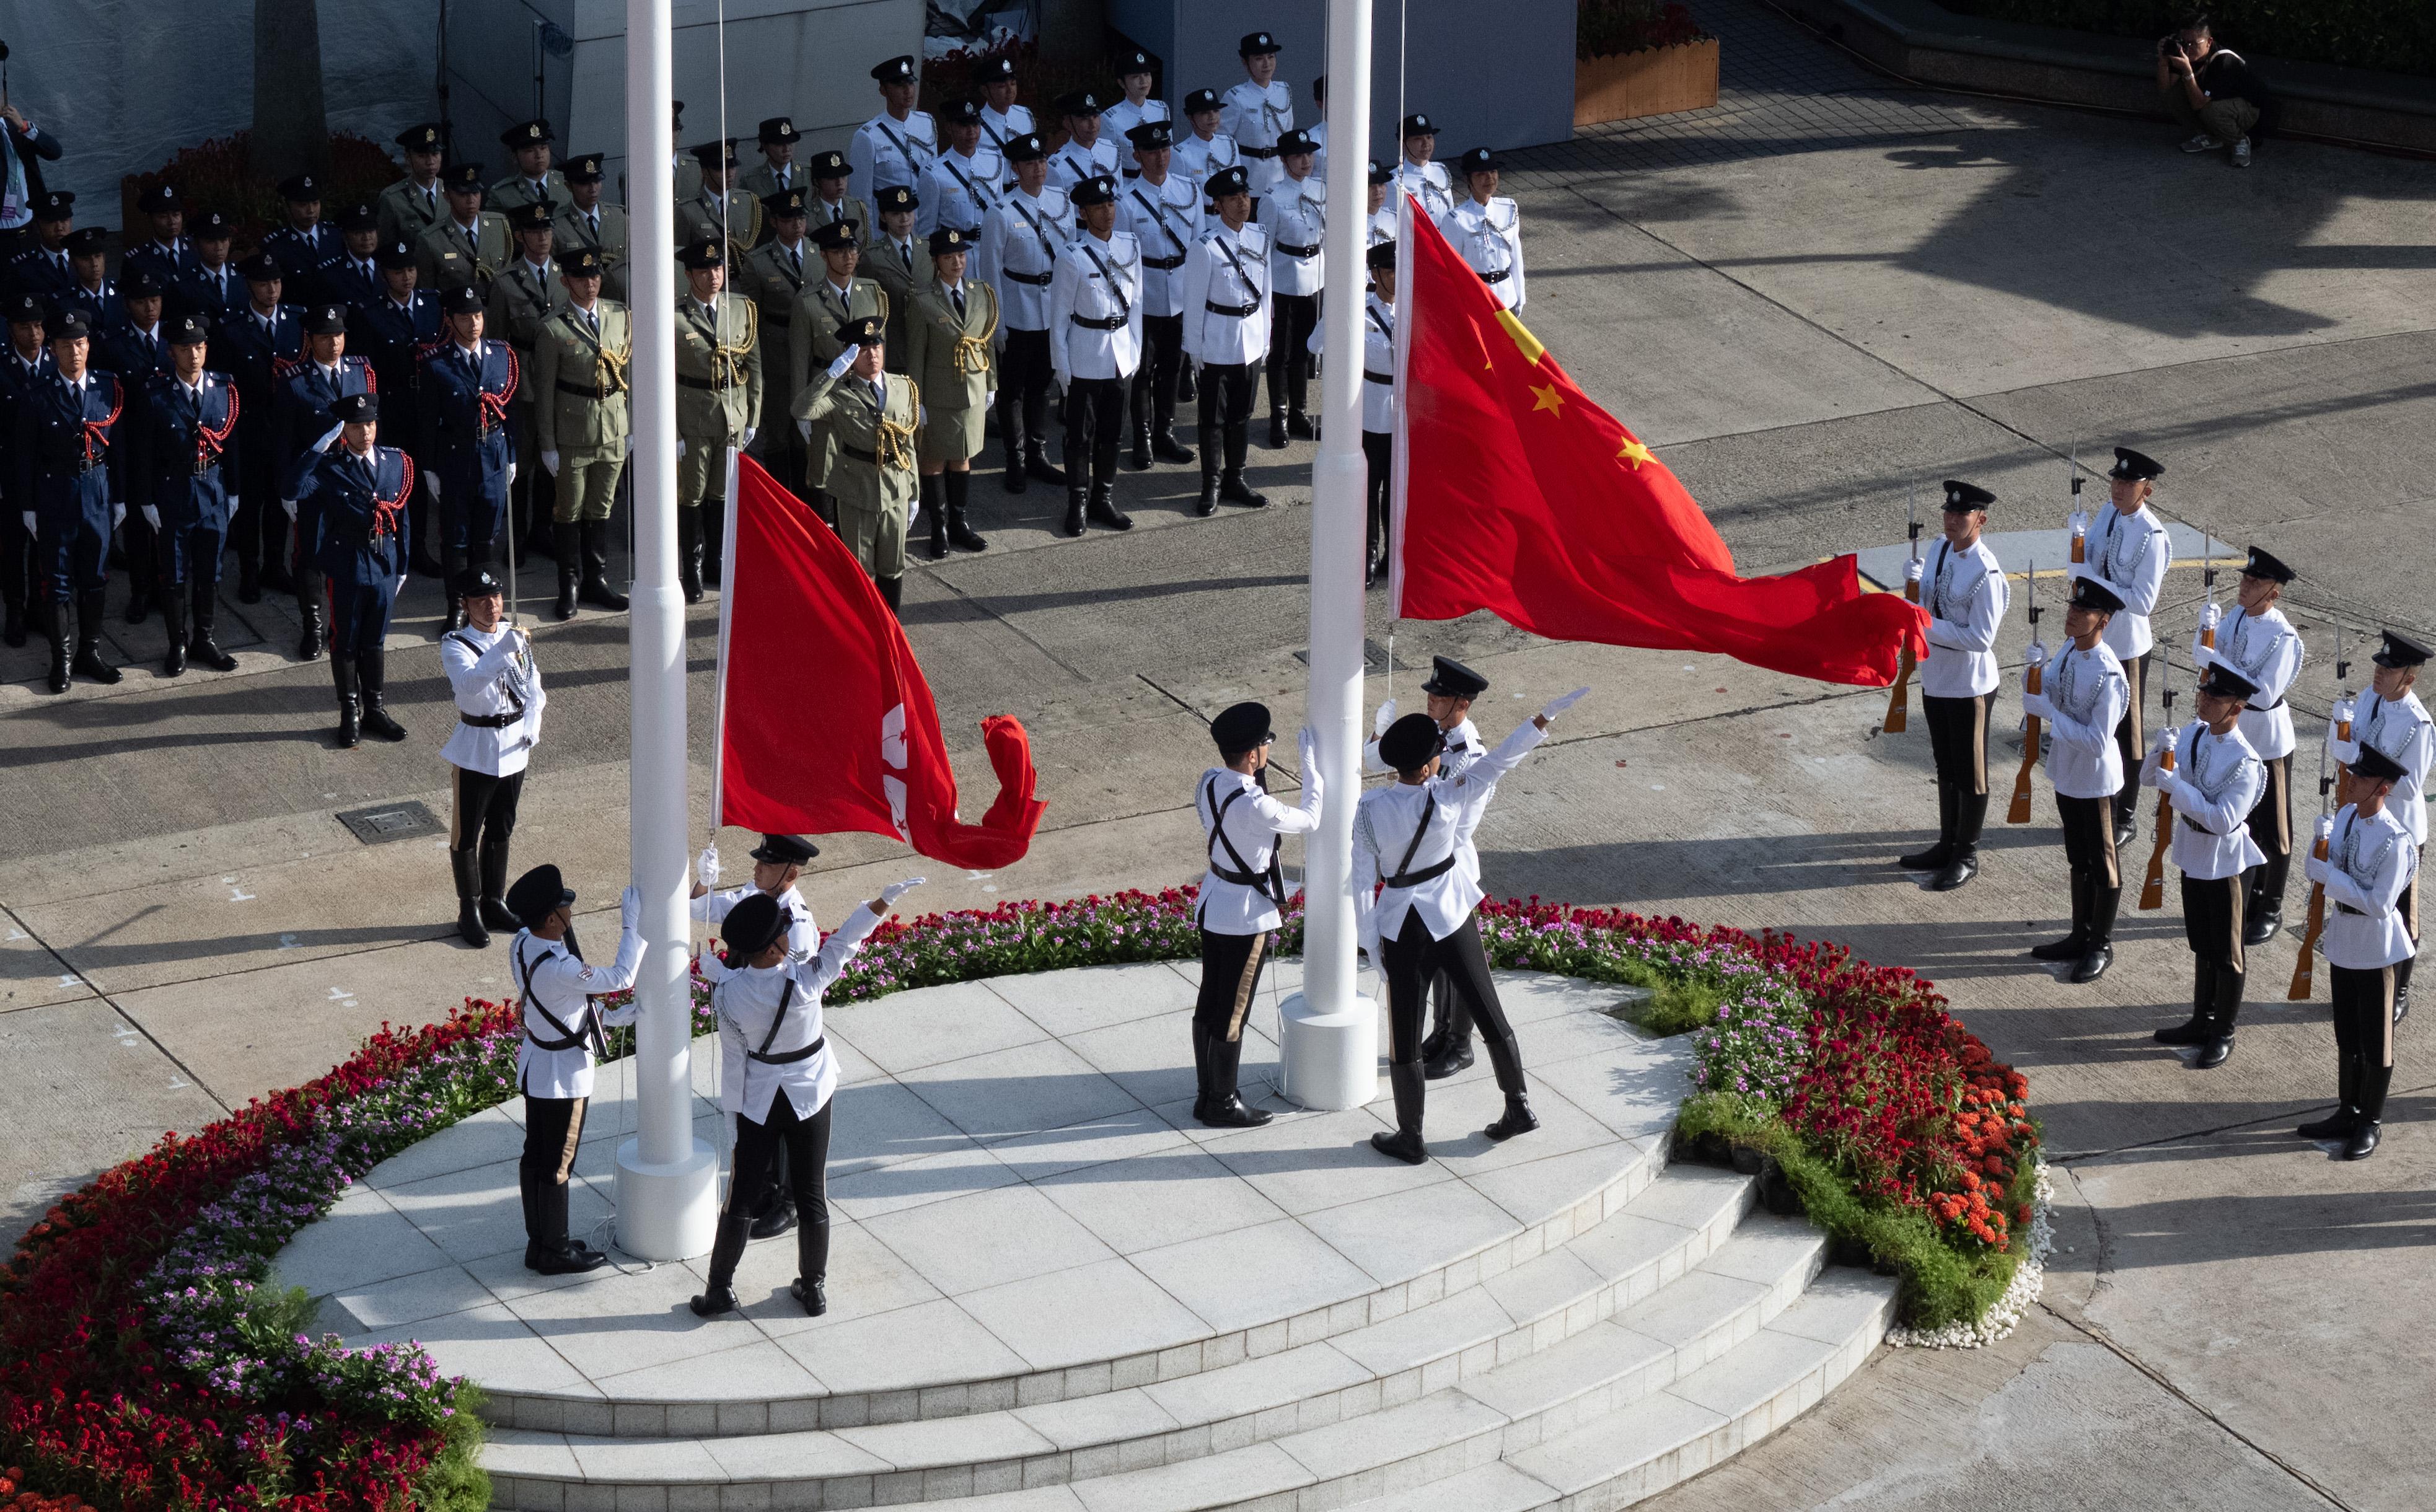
(147, 1363)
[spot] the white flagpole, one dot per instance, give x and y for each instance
(718, 703)
(1330, 1049)
(667, 1194)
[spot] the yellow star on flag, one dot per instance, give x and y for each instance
(1549, 399)
(1635, 453)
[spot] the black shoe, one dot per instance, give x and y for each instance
(1401, 1146)
(1931, 860)
(1073, 524)
(2214, 1053)
(1014, 479)
(1103, 509)
(593, 540)
(2335, 1125)
(88, 662)
(813, 1294)
(1235, 491)
(57, 681)
(2125, 831)
(173, 661)
(1434, 1043)
(1164, 447)
(1452, 1060)
(775, 1222)
(2194, 1030)
(496, 916)
(2361, 1143)
(1206, 504)
(466, 867)
(2094, 964)
(2071, 948)
(713, 1301)
(964, 537)
(138, 604)
(491, 885)
(248, 583)
(205, 651)
(574, 1259)
(1277, 431)
(1231, 1112)
(1301, 428)
(378, 721)
(1958, 869)
(2262, 927)
(939, 534)
(1036, 465)
(1140, 457)
(569, 553)
(309, 641)
(1518, 1119)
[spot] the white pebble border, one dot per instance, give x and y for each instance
(2029, 1279)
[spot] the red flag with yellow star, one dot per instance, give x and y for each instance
(1521, 497)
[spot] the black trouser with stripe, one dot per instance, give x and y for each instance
(2130, 737)
(2270, 829)
(805, 1144)
(1410, 959)
(553, 1132)
(1154, 382)
(1230, 978)
(1095, 424)
(2363, 1003)
(1958, 740)
(1225, 401)
(1292, 319)
(2212, 924)
(1379, 452)
(485, 811)
(1024, 377)
(2096, 873)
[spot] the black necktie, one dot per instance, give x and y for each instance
(957, 295)
(592, 323)
(905, 254)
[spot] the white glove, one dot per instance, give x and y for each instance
(921, 414)
(1558, 705)
(2038, 654)
(1386, 717)
(152, 516)
(681, 446)
(1310, 744)
(990, 401)
(512, 474)
(2315, 868)
(2326, 826)
(329, 437)
(550, 462)
(289, 505)
(2211, 616)
(2077, 522)
(30, 528)
(705, 867)
(118, 515)
(1911, 570)
(804, 429)
(895, 890)
(630, 907)
(744, 442)
(432, 481)
(630, 445)
(844, 360)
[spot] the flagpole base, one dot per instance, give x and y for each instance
(1330, 1060)
(667, 1212)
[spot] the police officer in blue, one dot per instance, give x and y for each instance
(359, 491)
(26, 363)
(90, 290)
(468, 385)
(183, 473)
(392, 331)
(251, 342)
(305, 247)
(70, 492)
(309, 388)
(354, 280)
(137, 348)
(169, 255)
(213, 289)
(42, 268)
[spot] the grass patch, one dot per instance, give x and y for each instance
(1674, 1006)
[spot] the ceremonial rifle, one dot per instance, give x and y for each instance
(2078, 521)
(2019, 813)
(2211, 615)
(2153, 888)
(2305, 969)
(2344, 706)
(1898, 702)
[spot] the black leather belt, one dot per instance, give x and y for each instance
(1035, 280)
(204, 469)
(2346, 908)
(1165, 265)
(1257, 151)
(586, 391)
(860, 455)
(1497, 277)
(1099, 323)
(2198, 828)
(789, 1057)
(1252, 879)
(1424, 875)
(1369, 376)
(83, 467)
(1241, 312)
(489, 721)
(1298, 252)
(709, 385)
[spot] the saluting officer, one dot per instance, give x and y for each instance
(1486, 229)
(828, 202)
(522, 296)
(719, 211)
(776, 172)
(183, 475)
(776, 274)
(898, 264)
(42, 267)
(1450, 692)
(953, 364)
(1095, 347)
(834, 299)
(1002, 119)
(534, 182)
(1295, 215)
(2391, 719)
(1086, 154)
(777, 864)
(2259, 643)
(718, 399)
(872, 416)
(894, 146)
(1204, 151)
(1243, 894)
(356, 492)
(170, 255)
(415, 204)
(470, 245)
(586, 223)
(1258, 111)
(1019, 253)
(962, 186)
(1227, 337)
(498, 689)
(70, 492)
(252, 343)
(393, 331)
(27, 363)
(2371, 863)
(1161, 211)
(2081, 697)
(564, 1027)
(2130, 552)
(1419, 173)
(469, 385)
(310, 387)
(583, 428)
(2216, 782)
(1136, 73)
(305, 246)
(1965, 594)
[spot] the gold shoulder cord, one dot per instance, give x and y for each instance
(892, 444)
(972, 352)
(727, 358)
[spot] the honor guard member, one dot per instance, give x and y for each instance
(1425, 917)
(685, 174)
(894, 146)
(1161, 211)
(952, 359)
(2128, 551)
(1381, 223)
(2391, 719)
(1258, 111)
(310, 387)
(2082, 696)
(354, 280)
(718, 211)
(393, 331)
(355, 494)
(1378, 403)
(471, 244)
(871, 415)
(1002, 119)
(776, 172)
(253, 345)
(1095, 348)
(836, 297)
(527, 289)
(213, 289)
(558, 995)
(136, 350)
(92, 295)
(586, 223)
(170, 255)
(1227, 337)
(580, 356)
(468, 401)
(1486, 229)
(1317, 131)
(1242, 898)
(2216, 782)
(1965, 594)
(69, 490)
(187, 471)
(898, 264)
(1451, 689)
(829, 203)
(1295, 215)
(305, 246)
(777, 1076)
(718, 399)
(778, 864)
(415, 204)
(962, 186)
(1087, 154)
(27, 364)
(1205, 149)
(1020, 242)
(2259, 643)
(43, 267)
(499, 698)
(534, 182)
(2371, 862)
(1136, 73)
(1419, 173)
(777, 275)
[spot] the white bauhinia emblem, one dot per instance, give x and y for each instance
(892, 755)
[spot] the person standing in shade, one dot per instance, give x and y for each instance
(777, 1076)
(776, 172)
(585, 224)
(2371, 862)
(1161, 211)
(838, 296)
(252, 343)
(2128, 550)
(581, 356)
(1203, 151)
(1258, 111)
(968, 178)
(307, 246)
(1425, 915)
(829, 203)
(1095, 336)
(1002, 119)
(719, 398)
(499, 698)
(70, 489)
(1227, 337)
(355, 493)
(897, 263)
(138, 352)
(777, 275)
(393, 331)
(2081, 698)
(188, 427)
(522, 298)
(1451, 689)
(719, 211)
(896, 145)
(1087, 153)
(1020, 242)
(1486, 229)
(470, 245)
(953, 364)
(355, 280)
(1241, 895)
(1419, 173)
(415, 204)
(469, 387)
(559, 995)
(42, 264)
(534, 182)
(2216, 782)
(1136, 73)
(777, 865)
(2259, 643)
(1295, 215)
(1965, 594)
(2391, 719)
(309, 390)
(213, 289)
(873, 416)
(170, 255)
(27, 363)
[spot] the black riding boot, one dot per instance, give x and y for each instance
(2224, 1012)
(1226, 1109)
(88, 661)
(372, 669)
(493, 857)
(593, 540)
(1101, 507)
(202, 648)
(719, 1290)
(567, 538)
(2197, 1030)
(2104, 902)
(689, 554)
(2339, 1125)
(310, 639)
(558, 1254)
(1036, 462)
(933, 513)
(1201, 1037)
(1277, 429)
(809, 1286)
(959, 493)
(1076, 499)
(2374, 1082)
(351, 712)
(453, 562)
(173, 619)
(55, 625)
(1453, 1055)
(714, 542)
(1232, 486)
(466, 867)
(1934, 857)
(892, 592)
(1010, 434)
(1962, 863)
(1411, 1089)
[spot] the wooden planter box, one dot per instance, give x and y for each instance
(1653, 81)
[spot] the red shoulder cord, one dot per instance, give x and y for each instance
(386, 511)
(495, 406)
(209, 443)
(96, 433)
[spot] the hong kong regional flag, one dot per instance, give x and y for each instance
(1522, 497)
(829, 722)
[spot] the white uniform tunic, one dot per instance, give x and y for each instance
(1378, 368)
(1255, 117)
(2400, 728)
(1165, 219)
(1386, 822)
(1383, 226)
(1427, 183)
(1021, 241)
(1461, 750)
(960, 191)
(1226, 296)
(491, 678)
(998, 131)
(2129, 556)
(1294, 213)
(1966, 595)
(2369, 862)
(1073, 162)
(1097, 281)
(2082, 696)
(1490, 237)
(1198, 156)
(553, 985)
(2216, 782)
(1121, 118)
(1254, 823)
(748, 1001)
(803, 935)
(2267, 652)
(888, 150)
(1317, 131)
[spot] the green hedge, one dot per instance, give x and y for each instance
(2392, 36)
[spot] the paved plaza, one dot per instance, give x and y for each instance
(1817, 297)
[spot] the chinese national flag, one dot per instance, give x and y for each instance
(1522, 497)
(829, 722)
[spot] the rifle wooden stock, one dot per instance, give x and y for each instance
(2152, 887)
(2305, 969)
(1899, 700)
(2019, 812)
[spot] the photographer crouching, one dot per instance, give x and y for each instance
(2210, 90)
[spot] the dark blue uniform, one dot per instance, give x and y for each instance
(390, 335)
(358, 508)
(465, 402)
(36, 272)
(172, 265)
(18, 580)
(135, 356)
(249, 349)
(68, 469)
(354, 285)
(186, 458)
(212, 294)
(100, 306)
(305, 257)
(306, 392)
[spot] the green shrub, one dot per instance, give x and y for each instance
(455, 1482)
(1609, 27)
(2394, 36)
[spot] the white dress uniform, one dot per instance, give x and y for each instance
(1165, 219)
(499, 700)
(1226, 296)
(1096, 281)
(2400, 728)
(2267, 652)
(2369, 862)
(1073, 162)
(1383, 225)
(1294, 213)
(1427, 183)
(887, 151)
(1121, 118)
(1450, 808)
(1255, 117)
(803, 935)
(2082, 696)
(1490, 237)
(562, 1025)
(1966, 595)
(2216, 782)
(775, 1011)
(1462, 748)
(2129, 554)
(998, 131)
(1198, 156)
(1245, 844)
(1021, 241)
(961, 191)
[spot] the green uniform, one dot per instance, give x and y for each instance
(685, 174)
(901, 272)
(813, 345)
(819, 212)
(774, 276)
(405, 212)
(453, 257)
(719, 391)
(874, 481)
(698, 217)
(573, 229)
(954, 362)
(760, 180)
(581, 404)
(512, 193)
(521, 301)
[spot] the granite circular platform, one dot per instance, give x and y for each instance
(1051, 1291)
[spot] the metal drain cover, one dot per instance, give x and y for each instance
(391, 821)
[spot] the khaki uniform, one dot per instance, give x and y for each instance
(954, 362)
(874, 481)
(774, 278)
(719, 391)
(514, 314)
(760, 180)
(813, 345)
(511, 192)
(405, 214)
(819, 212)
(450, 257)
(581, 404)
(573, 230)
(686, 176)
(900, 276)
(698, 217)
